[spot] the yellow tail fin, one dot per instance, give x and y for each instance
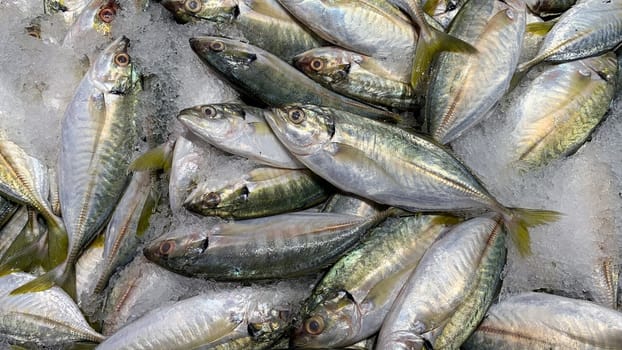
(63, 275)
(518, 221)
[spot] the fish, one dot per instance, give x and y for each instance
(351, 301)
(44, 319)
(544, 321)
(218, 318)
(98, 137)
(392, 166)
(24, 179)
(357, 76)
(264, 76)
(261, 192)
(560, 108)
(127, 225)
(589, 28)
(466, 86)
(96, 17)
(279, 246)
(240, 130)
(373, 28)
(447, 295)
(13, 228)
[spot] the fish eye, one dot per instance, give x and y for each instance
(212, 200)
(451, 6)
(314, 325)
(316, 64)
(107, 14)
(296, 115)
(209, 111)
(193, 6)
(217, 46)
(122, 59)
(166, 247)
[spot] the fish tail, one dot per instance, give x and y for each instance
(519, 220)
(27, 257)
(159, 158)
(428, 47)
(58, 243)
(62, 275)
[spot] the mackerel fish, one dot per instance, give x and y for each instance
(240, 130)
(127, 225)
(261, 192)
(560, 109)
(357, 76)
(353, 298)
(222, 319)
(264, 76)
(98, 138)
(42, 319)
(96, 17)
(538, 321)
(449, 292)
(465, 87)
(280, 246)
(391, 166)
(589, 28)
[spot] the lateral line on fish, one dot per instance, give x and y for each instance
(508, 333)
(54, 322)
(452, 183)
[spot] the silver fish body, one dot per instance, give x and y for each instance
(88, 269)
(357, 76)
(184, 171)
(560, 108)
(210, 320)
(128, 223)
(466, 86)
(450, 290)
(589, 28)
(240, 130)
(279, 246)
(544, 321)
(261, 192)
(353, 298)
(351, 205)
(47, 318)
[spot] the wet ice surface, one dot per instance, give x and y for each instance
(39, 78)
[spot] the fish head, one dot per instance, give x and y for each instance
(304, 130)
(176, 249)
(325, 64)
(220, 201)
(113, 71)
(216, 123)
(226, 55)
(220, 11)
(332, 323)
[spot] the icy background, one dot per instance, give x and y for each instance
(38, 78)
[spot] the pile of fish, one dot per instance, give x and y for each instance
(331, 205)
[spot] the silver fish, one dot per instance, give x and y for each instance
(47, 318)
(465, 87)
(240, 130)
(212, 319)
(589, 28)
(98, 138)
(450, 290)
(542, 321)
(391, 166)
